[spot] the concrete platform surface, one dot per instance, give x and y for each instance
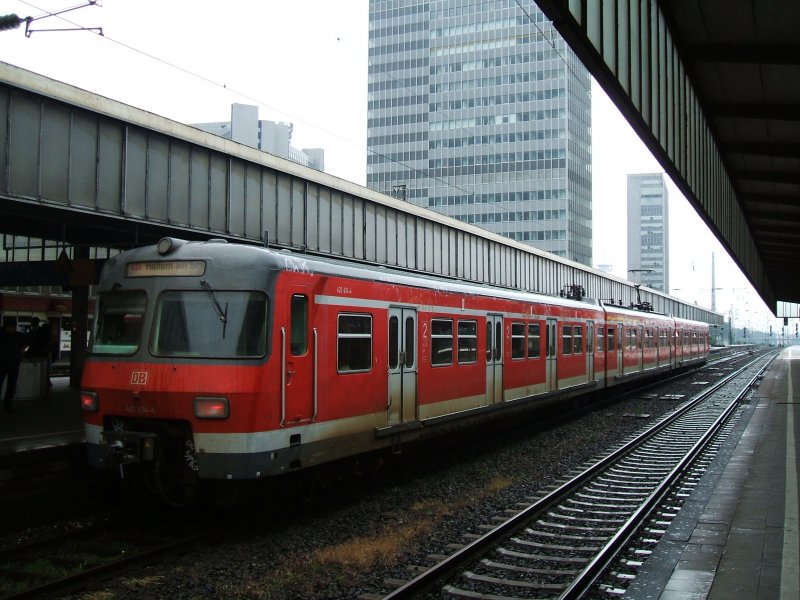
(736, 538)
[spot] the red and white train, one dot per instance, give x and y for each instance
(211, 360)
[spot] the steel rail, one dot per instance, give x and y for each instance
(601, 561)
(479, 546)
(77, 580)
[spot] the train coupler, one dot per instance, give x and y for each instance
(125, 447)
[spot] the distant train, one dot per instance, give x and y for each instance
(221, 361)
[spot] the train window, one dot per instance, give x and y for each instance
(610, 339)
(566, 339)
(648, 338)
(119, 322)
(410, 340)
(600, 340)
(441, 342)
(498, 341)
(467, 342)
(518, 340)
(488, 341)
(534, 340)
(577, 339)
(354, 343)
(212, 324)
(299, 332)
(394, 337)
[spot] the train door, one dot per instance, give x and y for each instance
(402, 402)
(671, 344)
(590, 351)
(640, 347)
(494, 358)
(298, 362)
(552, 355)
(621, 341)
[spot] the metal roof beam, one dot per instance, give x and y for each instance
(777, 176)
(763, 149)
(773, 54)
(755, 201)
(770, 112)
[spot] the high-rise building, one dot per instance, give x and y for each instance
(648, 231)
(480, 111)
(269, 136)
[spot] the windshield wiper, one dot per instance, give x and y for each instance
(223, 315)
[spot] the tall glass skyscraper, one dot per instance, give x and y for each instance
(479, 110)
(648, 231)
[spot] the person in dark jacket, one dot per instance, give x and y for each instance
(12, 347)
(39, 343)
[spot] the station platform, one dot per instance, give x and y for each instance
(737, 534)
(50, 422)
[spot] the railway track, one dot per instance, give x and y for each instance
(60, 563)
(69, 561)
(561, 545)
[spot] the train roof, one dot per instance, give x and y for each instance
(238, 259)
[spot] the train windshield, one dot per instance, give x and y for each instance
(210, 324)
(119, 322)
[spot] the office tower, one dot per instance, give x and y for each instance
(480, 111)
(648, 231)
(269, 136)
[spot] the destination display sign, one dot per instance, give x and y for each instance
(168, 268)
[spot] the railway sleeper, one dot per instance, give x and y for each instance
(577, 560)
(532, 585)
(565, 536)
(543, 546)
(531, 570)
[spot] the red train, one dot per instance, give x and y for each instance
(211, 360)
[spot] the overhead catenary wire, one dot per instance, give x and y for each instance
(224, 85)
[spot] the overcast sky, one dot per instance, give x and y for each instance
(305, 62)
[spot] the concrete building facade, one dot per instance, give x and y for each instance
(648, 231)
(480, 111)
(268, 136)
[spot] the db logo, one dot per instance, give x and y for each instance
(138, 377)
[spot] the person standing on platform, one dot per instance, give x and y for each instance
(39, 343)
(12, 346)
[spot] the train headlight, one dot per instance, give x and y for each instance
(167, 244)
(90, 402)
(211, 407)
